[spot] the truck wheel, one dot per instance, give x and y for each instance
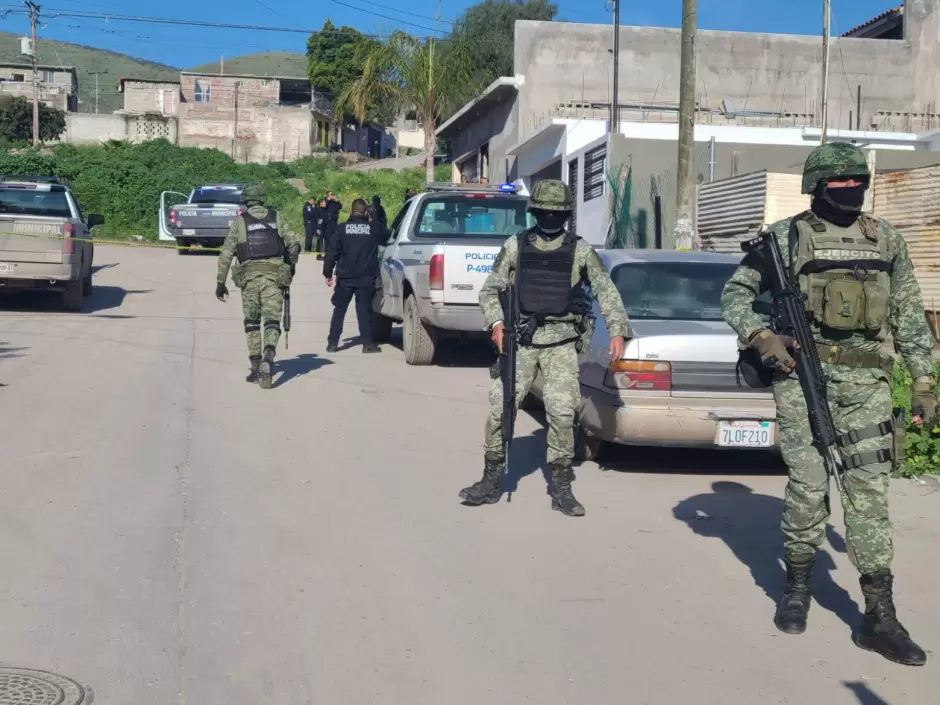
(72, 296)
(586, 446)
(182, 246)
(87, 285)
(381, 328)
(419, 340)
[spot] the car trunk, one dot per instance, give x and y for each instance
(25, 238)
(467, 264)
(200, 216)
(702, 355)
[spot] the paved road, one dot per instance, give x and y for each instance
(170, 534)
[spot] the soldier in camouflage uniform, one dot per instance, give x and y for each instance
(266, 250)
(858, 280)
(549, 266)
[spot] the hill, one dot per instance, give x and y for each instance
(86, 61)
(270, 63)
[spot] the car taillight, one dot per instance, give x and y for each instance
(68, 230)
(436, 275)
(241, 211)
(172, 216)
(639, 375)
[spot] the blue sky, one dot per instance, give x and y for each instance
(187, 46)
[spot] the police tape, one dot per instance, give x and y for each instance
(128, 243)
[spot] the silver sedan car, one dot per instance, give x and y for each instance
(677, 383)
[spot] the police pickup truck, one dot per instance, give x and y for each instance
(44, 239)
(204, 218)
(441, 247)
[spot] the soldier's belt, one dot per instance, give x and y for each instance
(859, 359)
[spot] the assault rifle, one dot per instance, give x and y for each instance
(789, 318)
(287, 319)
(507, 367)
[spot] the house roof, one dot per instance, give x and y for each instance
(883, 18)
(125, 79)
(498, 91)
(305, 79)
(40, 67)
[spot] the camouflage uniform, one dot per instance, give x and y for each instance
(858, 390)
(558, 363)
(262, 284)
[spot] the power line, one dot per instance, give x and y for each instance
(115, 17)
(393, 9)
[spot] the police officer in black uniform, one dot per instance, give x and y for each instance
(310, 215)
(354, 258)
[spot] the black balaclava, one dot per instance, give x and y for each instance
(551, 224)
(840, 206)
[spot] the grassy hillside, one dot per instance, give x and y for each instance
(270, 63)
(87, 60)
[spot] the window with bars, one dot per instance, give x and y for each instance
(593, 179)
(573, 185)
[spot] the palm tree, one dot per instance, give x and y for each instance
(407, 72)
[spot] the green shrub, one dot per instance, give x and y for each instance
(123, 181)
(922, 446)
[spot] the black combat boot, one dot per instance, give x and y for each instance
(371, 348)
(331, 347)
(489, 489)
(266, 370)
(255, 361)
(562, 498)
(880, 630)
(793, 608)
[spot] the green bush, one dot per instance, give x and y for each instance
(123, 181)
(922, 446)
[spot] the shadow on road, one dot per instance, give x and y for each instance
(103, 298)
(95, 268)
(526, 457)
(864, 693)
(293, 367)
(8, 352)
(749, 524)
(453, 352)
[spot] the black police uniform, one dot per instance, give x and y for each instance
(310, 214)
(331, 220)
(354, 259)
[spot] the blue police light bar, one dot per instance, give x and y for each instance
(507, 188)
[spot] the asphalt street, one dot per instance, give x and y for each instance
(170, 534)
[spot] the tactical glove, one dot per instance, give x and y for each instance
(772, 349)
(221, 291)
(924, 401)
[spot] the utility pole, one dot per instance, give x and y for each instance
(615, 102)
(825, 74)
(683, 232)
(235, 133)
(97, 73)
(33, 19)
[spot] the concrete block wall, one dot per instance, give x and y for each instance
(146, 97)
(251, 92)
(88, 128)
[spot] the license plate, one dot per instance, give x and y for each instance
(189, 231)
(745, 434)
(7, 267)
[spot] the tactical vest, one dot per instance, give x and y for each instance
(544, 278)
(844, 273)
(262, 239)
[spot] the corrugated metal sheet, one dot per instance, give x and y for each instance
(729, 210)
(910, 201)
(784, 199)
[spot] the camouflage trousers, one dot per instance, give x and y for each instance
(561, 392)
(858, 399)
(262, 304)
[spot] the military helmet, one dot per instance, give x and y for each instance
(831, 161)
(254, 193)
(551, 195)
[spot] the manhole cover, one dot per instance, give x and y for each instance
(24, 686)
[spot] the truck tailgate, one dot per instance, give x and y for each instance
(197, 216)
(31, 239)
(466, 266)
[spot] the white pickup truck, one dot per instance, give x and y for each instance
(441, 247)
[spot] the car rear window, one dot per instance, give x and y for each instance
(30, 201)
(466, 215)
(211, 195)
(673, 290)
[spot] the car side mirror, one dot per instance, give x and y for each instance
(95, 219)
